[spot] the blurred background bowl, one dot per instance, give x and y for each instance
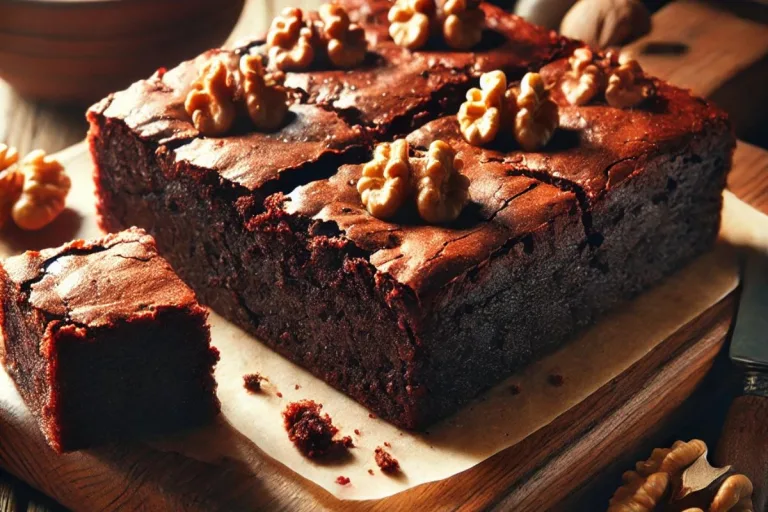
(77, 51)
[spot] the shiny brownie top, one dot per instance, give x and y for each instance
(98, 282)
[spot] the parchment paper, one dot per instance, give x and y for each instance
(499, 417)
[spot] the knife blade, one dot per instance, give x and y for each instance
(744, 440)
(749, 343)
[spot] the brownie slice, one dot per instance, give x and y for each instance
(105, 342)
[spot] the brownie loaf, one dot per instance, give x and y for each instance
(413, 320)
(104, 342)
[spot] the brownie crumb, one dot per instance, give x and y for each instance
(279, 394)
(514, 389)
(252, 382)
(342, 480)
(556, 380)
(371, 415)
(357, 432)
(386, 462)
(312, 433)
(370, 472)
(297, 387)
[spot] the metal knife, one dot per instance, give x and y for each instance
(744, 440)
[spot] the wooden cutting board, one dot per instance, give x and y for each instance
(533, 475)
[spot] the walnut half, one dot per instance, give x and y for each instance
(480, 116)
(44, 191)
(386, 179)
(11, 182)
(345, 42)
(443, 191)
(464, 23)
(627, 86)
(537, 115)
(585, 79)
(410, 22)
(265, 100)
(211, 102)
(290, 41)
(681, 478)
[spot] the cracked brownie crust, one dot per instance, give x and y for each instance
(413, 320)
(101, 335)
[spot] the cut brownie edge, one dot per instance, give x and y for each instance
(98, 355)
(79, 415)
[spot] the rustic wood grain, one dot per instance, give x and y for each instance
(744, 444)
(719, 53)
(717, 49)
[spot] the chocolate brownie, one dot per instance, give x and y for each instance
(105, 342)
(413, 320)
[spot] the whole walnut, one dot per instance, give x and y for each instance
(605, 23)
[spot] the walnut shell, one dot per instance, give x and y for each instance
(605, 23)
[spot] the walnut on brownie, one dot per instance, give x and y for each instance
(99, 355)
(412, 274)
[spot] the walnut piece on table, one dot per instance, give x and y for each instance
(44, 191)
(680, 478)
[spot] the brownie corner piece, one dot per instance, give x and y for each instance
(105, 342)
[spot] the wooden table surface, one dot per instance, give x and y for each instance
(720, 54)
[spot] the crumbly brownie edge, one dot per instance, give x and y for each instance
(176, 389)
